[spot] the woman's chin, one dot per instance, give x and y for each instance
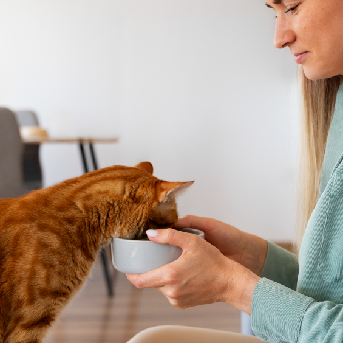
(319, 73)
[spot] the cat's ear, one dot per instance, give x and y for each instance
(167, 190)
(146, 166)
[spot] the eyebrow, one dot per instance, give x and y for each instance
(275, 2)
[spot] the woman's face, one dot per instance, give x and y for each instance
(313, 30)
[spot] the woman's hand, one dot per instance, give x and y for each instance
(244, 248)
(201, 275)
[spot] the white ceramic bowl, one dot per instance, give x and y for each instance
(141, 256)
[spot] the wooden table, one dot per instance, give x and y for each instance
(82, 143)
(87, 166)
(70, 140)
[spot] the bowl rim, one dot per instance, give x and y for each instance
(133, 240)
(147, 240)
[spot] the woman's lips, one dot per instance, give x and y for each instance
(298, 58)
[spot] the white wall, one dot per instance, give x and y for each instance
(194, 86)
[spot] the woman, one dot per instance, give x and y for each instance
(289, 301)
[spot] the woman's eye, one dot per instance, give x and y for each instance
(292, 9)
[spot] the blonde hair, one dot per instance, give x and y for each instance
(317, 108)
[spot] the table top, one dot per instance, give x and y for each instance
(77, 140)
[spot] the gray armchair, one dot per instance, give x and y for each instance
(31, 163)
(11, 175)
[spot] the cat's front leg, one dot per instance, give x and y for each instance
(29, 332)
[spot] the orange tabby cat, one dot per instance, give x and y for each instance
(50, 238)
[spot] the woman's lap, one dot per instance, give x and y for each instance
(184, 334)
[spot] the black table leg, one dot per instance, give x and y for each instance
(83, 157)
(94, 159)
(108, 279)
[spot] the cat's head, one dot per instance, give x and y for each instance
(126, 201)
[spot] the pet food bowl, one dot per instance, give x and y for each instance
(141, 256)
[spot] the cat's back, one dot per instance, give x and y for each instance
(5, 205)
(7, 210)
(11, 220)
(17, 216)
(14, 211)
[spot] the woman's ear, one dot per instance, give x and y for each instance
(167, 190)
(146, 166)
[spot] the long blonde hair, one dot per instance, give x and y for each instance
(317, 108)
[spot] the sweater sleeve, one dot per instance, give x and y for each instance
(281, 315)
(281, 266)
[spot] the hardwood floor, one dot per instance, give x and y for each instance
(93, 317)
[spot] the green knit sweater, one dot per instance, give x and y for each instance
(302, 301)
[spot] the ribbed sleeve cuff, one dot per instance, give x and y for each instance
(281, 266)
(277, 312)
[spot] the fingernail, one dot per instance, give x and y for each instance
(152, 233)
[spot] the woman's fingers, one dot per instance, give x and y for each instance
(203, 274)
(154, 279)
(199, 276)
(172, 237)
(186, 221)
(166, 274)
(194, 222)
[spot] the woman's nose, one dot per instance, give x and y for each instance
(284, 35)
